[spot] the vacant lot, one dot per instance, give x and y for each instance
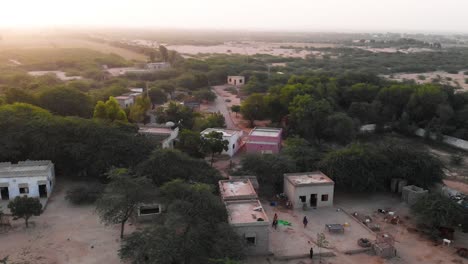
(453, 79)
(64, 233)
(12, 41)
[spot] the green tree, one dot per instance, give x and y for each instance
(302, 153)
(309, 116)
(194, 230)
(139, 108)
(424, 102)
(13, 95)
(110, 110)
(236, 109)
(205, 95)
(157, 95)
(269, 169)
(214, 143)
(164, 53)
(253, 108)
(322, 242)
(25, 207)
(122, 197)
(164, 165)
(340, 128)
(438, 210)
(176, 113)
(66, 101)
(190, 142)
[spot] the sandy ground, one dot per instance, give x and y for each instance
(252, 48)
(64, 233)
(457, 79)
(456, 185)
(37, 40)
(411, 247)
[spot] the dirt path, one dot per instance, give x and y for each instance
(64, 233)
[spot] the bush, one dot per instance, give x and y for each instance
(84, 194)
(466, 80)
(421, 77)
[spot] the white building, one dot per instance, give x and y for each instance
(236, 80)
(232, 135)
(165, 135)
(125, 101)
(157, 65)
(250, 221)
(30, 178)
(310, 189)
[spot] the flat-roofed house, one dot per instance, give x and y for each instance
(265, 140)
(310, 189)
(250, 221)
(33, 178)
(125, 101)
(236, 80)
(232, 135)
(238, 189)
(163, 134)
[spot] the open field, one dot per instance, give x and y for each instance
(455, 80)
(64, 233)
(10, 41)
(252, 48)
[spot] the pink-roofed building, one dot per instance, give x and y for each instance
(265, 140)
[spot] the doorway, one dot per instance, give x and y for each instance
(4, 193)
(42, 190)
(313, 200)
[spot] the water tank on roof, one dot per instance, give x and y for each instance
(170, 124)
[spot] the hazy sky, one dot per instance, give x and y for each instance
(294, 15)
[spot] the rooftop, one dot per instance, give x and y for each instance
(155, 130)
(308, 178)
(25, 168)
(226, 132)
(246, 212)
(266, 132)
(237, 189)
(123, 97)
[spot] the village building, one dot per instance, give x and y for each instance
(165, 135)
(233, 136)
(249, 220)
(236, 80)
(238, 189)
(125, 101)
(309, 189)
(252, 178)
(157, 65)
(26, 178)
(265, 140)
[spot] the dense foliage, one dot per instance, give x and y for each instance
(77, 146)
(194, 230)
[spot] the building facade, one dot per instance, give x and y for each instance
(309, 189)
(29, 178)
(233, 136)
(250, 222)
(163, 134)
(265, 140)
(236, 80)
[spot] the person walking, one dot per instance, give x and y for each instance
(275, 224)
(311, 252)
(305, 221)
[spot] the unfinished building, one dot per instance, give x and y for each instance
(411, 194)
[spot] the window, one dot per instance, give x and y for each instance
(324, 197)
(303, 199)
(24, 190)
(250, 239)
(240, 81)
(233, 146)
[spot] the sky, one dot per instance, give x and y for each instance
(275, 15)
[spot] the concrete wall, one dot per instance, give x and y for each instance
(259, 147)
(32, 182)
(294, 192)
(262, 237)
(452, 141)
(411, 194)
